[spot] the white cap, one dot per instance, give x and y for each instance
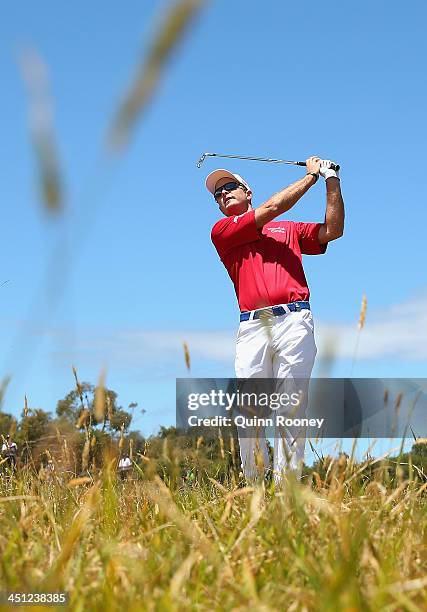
(215, 176)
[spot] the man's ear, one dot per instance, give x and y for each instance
(249, 194)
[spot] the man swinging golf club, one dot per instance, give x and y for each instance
(264, 260)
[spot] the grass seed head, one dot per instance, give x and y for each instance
(122, 437)
(266, 319)
(86, 453)
(187, 355)
(109, 408)
(398, 401)
(175, 23)
(362, 316)
(99, 407)
(83, 418)
(35, 74)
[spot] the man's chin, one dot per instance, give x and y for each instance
(235, 209)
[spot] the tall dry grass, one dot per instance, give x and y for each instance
(360, 326)
(154, 544)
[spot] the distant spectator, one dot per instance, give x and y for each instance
(9, 450)
(125, 466)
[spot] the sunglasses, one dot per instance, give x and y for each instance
(231, 186)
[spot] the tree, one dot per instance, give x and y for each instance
(79, 404)
(420, 450)
(7, 424)
(34, 426)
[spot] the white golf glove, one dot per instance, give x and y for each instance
(326, 170)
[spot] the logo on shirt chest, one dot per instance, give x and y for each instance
(276, 230)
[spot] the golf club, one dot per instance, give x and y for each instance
(261, 159)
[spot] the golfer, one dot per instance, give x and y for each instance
(264, 260)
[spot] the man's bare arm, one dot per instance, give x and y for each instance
(333, 226)
(285, 199)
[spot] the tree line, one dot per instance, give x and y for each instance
(79, 438)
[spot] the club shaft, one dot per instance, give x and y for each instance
(260, 159)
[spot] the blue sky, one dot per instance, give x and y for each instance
(285, 80)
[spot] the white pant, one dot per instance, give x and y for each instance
(280, 348)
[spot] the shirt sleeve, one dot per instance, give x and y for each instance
(308, 238)
(232, 232)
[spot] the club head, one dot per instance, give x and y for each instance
(201, 160)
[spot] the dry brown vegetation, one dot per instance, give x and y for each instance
(171, 544)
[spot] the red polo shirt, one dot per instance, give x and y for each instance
(265, 265)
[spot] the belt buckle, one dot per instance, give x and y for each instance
(297, 306)
(265, 313)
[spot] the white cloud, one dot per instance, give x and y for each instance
(397, 331)
(140, 348)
